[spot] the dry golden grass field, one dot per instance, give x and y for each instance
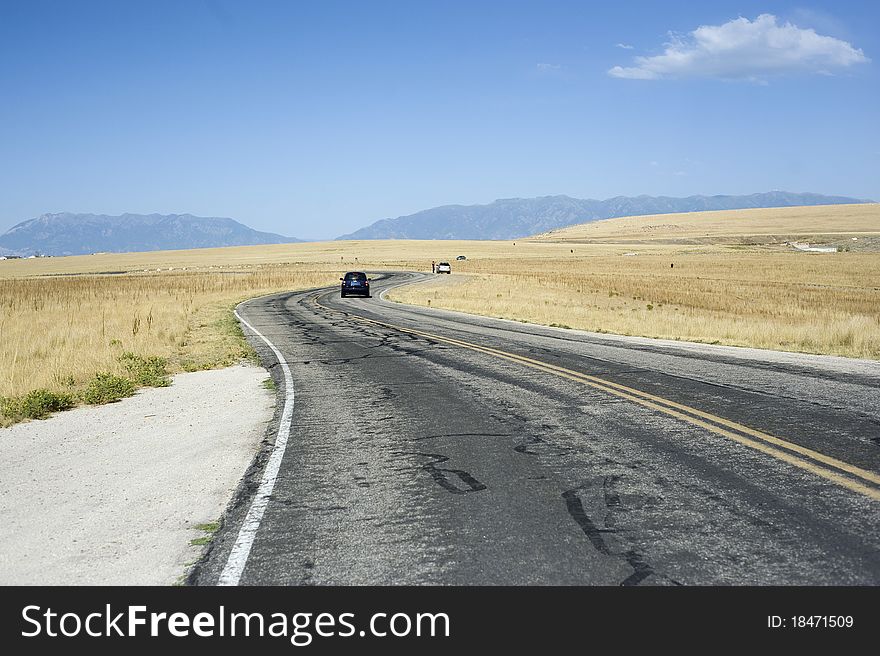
(66, 324)
(718, 277)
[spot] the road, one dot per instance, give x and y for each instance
(431, 447)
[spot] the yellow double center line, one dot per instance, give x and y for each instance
(849, 476)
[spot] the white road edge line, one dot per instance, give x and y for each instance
(238, 557)
(405, 284)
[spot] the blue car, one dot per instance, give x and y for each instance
(355, 283)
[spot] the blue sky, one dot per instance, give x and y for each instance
(315, 118)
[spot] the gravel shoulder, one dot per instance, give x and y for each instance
(113, 494)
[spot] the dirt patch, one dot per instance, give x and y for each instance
(122, 494)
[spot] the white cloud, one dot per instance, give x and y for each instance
(546, 68)
(625, 46)
(744, 49)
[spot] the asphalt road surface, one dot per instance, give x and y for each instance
(430, 447)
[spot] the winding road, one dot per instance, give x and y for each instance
(420, 446)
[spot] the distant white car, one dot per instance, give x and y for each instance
(444, 267)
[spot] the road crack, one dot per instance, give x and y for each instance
(600, 527)
(449, 479)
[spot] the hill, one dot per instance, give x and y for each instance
(823, 223)
(81, 234)
(513, 218)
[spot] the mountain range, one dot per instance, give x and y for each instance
(511, 218)
(81, 234)
(508, 218)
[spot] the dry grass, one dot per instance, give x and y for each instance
(59, 332)
(734, 280)
(815, 303)
(63, 320)
(325, 255)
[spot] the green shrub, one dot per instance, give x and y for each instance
(106, 388)
(147, 371)
(37, 404)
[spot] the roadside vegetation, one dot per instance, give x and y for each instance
(92, 329)
(95, 339)
(103, 387)
(209, 529)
